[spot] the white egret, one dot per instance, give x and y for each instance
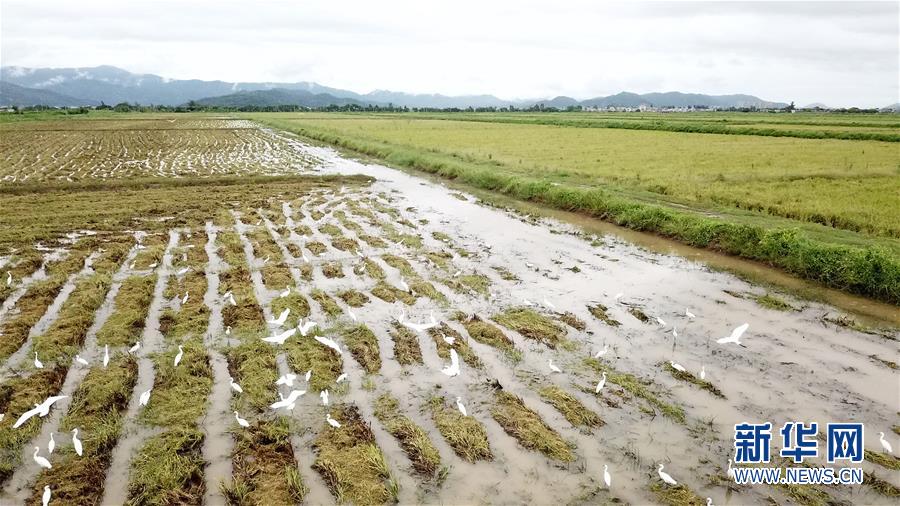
(549, 304)
(305, 327)
(135, 348)
(183, 271)
(529, 265)
(884, 443)
(660, 321)
(730, 471)
(456, 274)
(37, 363)
(606, 476)
(327, 341)
(145, 397)
(307, 375)
(527, 302)
(266, 260)
(234, 386)
(453, 369)
(709, 501)
(674, 331)
(404, 286)
(184, 299)
(105, 355)
(324, 396)
(2, 416)
(286, 380)
(618, 296)
(600, 384)
(602, 352)
(41, 410)
(280, 338)
(153, 265)
(341, 378)
(285, 292)
(80, 360)
(331, 421)
(689, 314)
(79, 449)
(665, 476)
(41, 461)
(228, 330)
(51, 445)
(242, 422)
(288, 402)
(281, 318)
(231, 300)
(305, 258)
(45, 498)
(179, 356)
(553, 368)
(352, 315)
(703, 372)
(449, 339)
(8, 278)
(460, 407)
(735, 336)
(676, 366)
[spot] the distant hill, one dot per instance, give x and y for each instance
(274, 97)
(11, 94)
(892, 107)
(112, 85)
(678, 99)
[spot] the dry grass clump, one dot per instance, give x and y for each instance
(264, 468)
(363, 345)
(528, 429)
(391, 294)
(570, 407)
(328, 305)
(414, 441)
(466, 435)
(406, 345)
(350, 462)
(531, 325)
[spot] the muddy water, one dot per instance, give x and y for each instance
(22, 285)
(19, 487)
(217, 443)
(115, 488)
(794, 366)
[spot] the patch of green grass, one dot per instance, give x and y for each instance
(373, 241)
(506, 274)
(177, 389)
(400, 264)
(363, 345)
(331, 230)
(531, 325)
(31, 307)
(639, 388)
(678, 495)
(345, 244)
(264, 469)
(333, 270)
(466, 435)
(353, 298)
(67, 333)
(639, 314)
(298, 305)
(168, 469)
(440, 236)
(97, 410)
(469, 283)
(125, 325)
(528, 429)
(599, 311)
(440, 258)
(308, 354)
(439, 333)
(414, 441)
(406, 345)
(17, 396)
(773, 302)
(485, 333)
(883, 459)
(349, 460)
(252, 365)
(570, 407)
(690, 378)
(421, 287)
(391, 294)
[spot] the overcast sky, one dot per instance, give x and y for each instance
(837, 53)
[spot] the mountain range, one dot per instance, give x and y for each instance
(60, 87)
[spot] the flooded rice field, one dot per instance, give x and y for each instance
(403, 341)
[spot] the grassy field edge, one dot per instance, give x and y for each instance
(871, 271)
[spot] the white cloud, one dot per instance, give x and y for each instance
(839, 53)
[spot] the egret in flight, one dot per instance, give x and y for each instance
(40, 410)
(288, 402)
(281, 318)
(280, 338)
(735, 336)
(305, 327)
(286, 380)
(327, 341)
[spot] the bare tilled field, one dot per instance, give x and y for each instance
(378, 338)
(106, 149)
